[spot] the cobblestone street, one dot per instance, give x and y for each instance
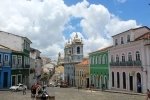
(71, 94)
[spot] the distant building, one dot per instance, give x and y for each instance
(45, 60)
(73, 54)
(60, 59)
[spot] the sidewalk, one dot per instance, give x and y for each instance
(115, 91)
(4, 89)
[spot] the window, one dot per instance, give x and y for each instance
(112, 58)
(117, 58)
(72, 50)
(118, 80)
(19, 60)
(128, 38)
(78, 50)
(116, 43)
(0, 57)
(122, 40)
(97, 60)
(113, 79)
(124, 80)
(129, 56)
(137, 56)
(93, 61)
(105, 60)
(101, 60)
(6, 58)
(123, 57)
(14, 60)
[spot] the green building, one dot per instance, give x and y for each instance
(99, 68)
(21, 64)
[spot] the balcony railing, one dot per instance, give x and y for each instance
(6, 63)
(27, 66)
(17, 66)
(126, 63)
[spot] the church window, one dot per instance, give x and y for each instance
(78, 50)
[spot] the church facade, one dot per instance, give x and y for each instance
(73, 54)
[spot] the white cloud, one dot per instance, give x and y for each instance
(43, 23)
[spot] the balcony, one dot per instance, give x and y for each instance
(112, 63)
(6, 63)
(129, 63)
(117, 64)
(122, 63)
(27, 66)
(17, 66)
(137, 63)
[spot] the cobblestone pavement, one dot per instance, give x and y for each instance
(71, 94)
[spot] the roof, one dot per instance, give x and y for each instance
(144, 36)
(132, 29)
(4, 47)
(103, 49)
(83, 63)
(33, 49)
(18, 36)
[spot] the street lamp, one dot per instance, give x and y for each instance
(142, 68)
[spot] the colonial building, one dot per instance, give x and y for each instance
(99, 68)
(73, 54)
(35, 66)
(5, 67)
(20, 47)
(130, 60)
(82, 73)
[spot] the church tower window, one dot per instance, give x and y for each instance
(78, 50)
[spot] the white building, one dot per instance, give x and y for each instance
(73, 54)
(36, 65)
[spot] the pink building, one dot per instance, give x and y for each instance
(130, 60)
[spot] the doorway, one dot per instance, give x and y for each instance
(131, 82)
(5, 80)
(87, 85)
(105, 82)
(139, 86)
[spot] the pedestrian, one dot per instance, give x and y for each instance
(33, 91)
(148, 94)
(24, 90)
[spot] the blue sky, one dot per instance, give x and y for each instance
(138, 10)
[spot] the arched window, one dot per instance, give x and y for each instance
(97, 60)
(105, 59)
(118, 80)
(129, 56)
(137, 56)
(112, 58)
(113, 79)
(122, 42)
(123, 57)
(101, 60)
(116, 43)
(93, 60)
(117, 58)
(78, 50)
(128, 38)
(124, 80)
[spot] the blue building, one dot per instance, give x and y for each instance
(73, 54)
(5, 67)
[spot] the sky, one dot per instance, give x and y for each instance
(49, 24)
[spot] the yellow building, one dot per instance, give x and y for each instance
(82, 73)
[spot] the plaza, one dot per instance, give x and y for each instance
(71, 94)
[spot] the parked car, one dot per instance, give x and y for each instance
(18, 87)
(63, 84)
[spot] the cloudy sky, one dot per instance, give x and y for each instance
(50, 23)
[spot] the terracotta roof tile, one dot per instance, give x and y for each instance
(144, 36)
(84, 62)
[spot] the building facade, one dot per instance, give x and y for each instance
(129, 60)
(20, 47)
(82, 73)
(5, 67)
(73, 54)
(35, 67)
(99, 68)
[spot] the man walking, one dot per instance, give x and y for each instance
(24, 90)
